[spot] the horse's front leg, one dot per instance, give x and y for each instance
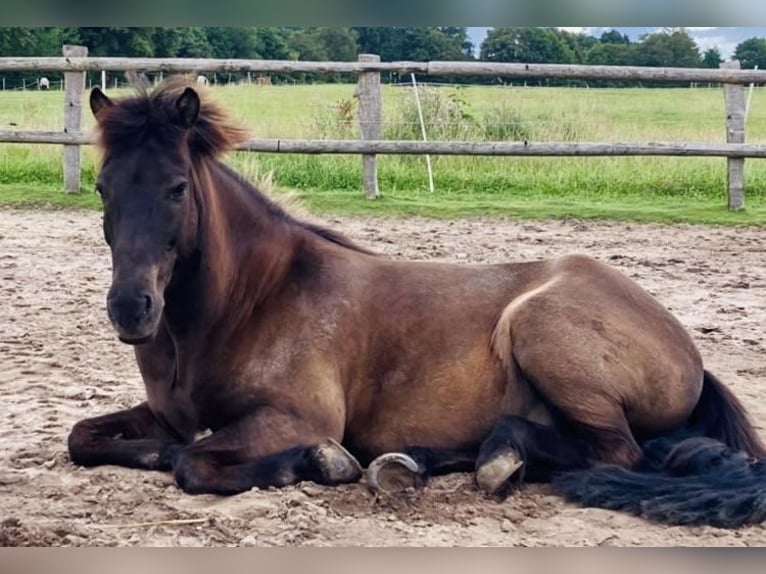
(270, 448)
(131, 438)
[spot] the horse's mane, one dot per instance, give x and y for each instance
(278, 211)
(335, 237)
(152, 114)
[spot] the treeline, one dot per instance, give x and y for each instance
(274, 43)
(667, 47)
(315, 44)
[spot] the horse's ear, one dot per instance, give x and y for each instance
(188, 105)
(99, 101)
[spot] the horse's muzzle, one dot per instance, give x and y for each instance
(134, 315)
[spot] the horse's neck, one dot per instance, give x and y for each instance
(245, 249)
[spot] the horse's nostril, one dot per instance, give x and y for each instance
(147, 305)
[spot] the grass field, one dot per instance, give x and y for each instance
(649, 189)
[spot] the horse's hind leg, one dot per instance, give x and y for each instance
(131, 438)
(586, 402)
(518, 449)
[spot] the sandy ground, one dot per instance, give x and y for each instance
(59, 362)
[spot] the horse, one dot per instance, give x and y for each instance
(306, 357)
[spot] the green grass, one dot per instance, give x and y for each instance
(631, 188)
(626, 208)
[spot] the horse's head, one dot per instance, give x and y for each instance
(150, 143)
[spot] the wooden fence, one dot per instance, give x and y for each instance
(368, 69)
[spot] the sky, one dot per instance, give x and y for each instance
(725, 39)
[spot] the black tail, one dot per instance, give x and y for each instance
(713, 472)
(721, 416)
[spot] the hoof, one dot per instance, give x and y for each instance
(394, 472)
(338, 466)
(493, 475)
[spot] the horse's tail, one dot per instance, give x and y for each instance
(721, 416)
(712, 472)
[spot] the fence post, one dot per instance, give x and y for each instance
(74, 85)
(734, 96)
(369, 96)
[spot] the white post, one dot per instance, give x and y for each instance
(749, 98)
(103, 80)
(423, 131)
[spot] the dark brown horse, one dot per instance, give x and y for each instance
(286, 341)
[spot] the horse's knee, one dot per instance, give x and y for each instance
(81, 431)
(80, 441)
(192, 473)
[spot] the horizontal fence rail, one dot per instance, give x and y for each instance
(443, 68)
(411, 147)
(75, 62)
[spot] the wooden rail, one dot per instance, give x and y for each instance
(444, 68)
(415, 147)
(75, 63)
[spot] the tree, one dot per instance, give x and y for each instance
(417, 44)
(131, 42)
(271, 43)
(751, 53)
(233, 42)
(322, 44)
(374, 40)
(611, 54)
(31, 41)
(528, 45)
(613, 37)
(459, 35)
(712, 58)
(167, 41)
(579, 44)
(671, 48)
(339, 43)
(194, 44)
(332, 44)
(424, 44)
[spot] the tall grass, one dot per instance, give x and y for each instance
(466, 113)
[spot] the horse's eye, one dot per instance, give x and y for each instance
(176, 192)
